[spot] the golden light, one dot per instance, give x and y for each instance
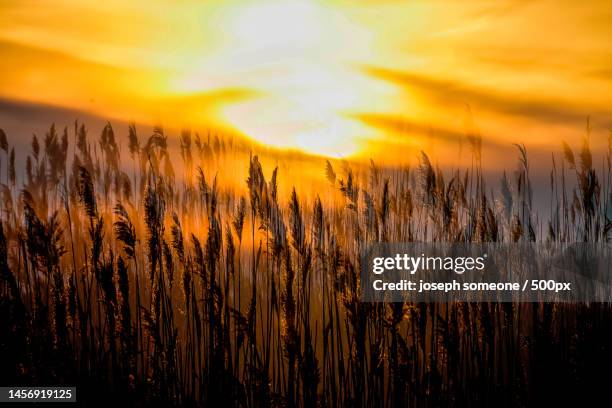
(329, 77)
(300, 57)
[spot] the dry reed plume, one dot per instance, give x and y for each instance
(134, 282)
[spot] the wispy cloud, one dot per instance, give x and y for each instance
(524, 105)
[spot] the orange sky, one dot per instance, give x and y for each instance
(336, 78)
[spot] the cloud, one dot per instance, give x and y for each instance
(531, 107)
(405, 127)
(51, 83)
(29, 111)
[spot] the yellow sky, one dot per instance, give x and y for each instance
(336, 78)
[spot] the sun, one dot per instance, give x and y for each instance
(298, 56)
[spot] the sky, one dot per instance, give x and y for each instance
(336, 78)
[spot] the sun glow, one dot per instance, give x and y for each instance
(300, 57)
(330, 77)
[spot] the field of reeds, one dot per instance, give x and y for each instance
(143, 276)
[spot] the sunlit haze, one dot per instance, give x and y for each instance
(333, 78)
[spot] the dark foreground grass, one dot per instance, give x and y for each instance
(143, 287)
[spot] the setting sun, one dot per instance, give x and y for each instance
(300, 57)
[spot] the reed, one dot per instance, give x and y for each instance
(186, 291)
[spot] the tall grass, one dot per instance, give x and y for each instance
(135, 284)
